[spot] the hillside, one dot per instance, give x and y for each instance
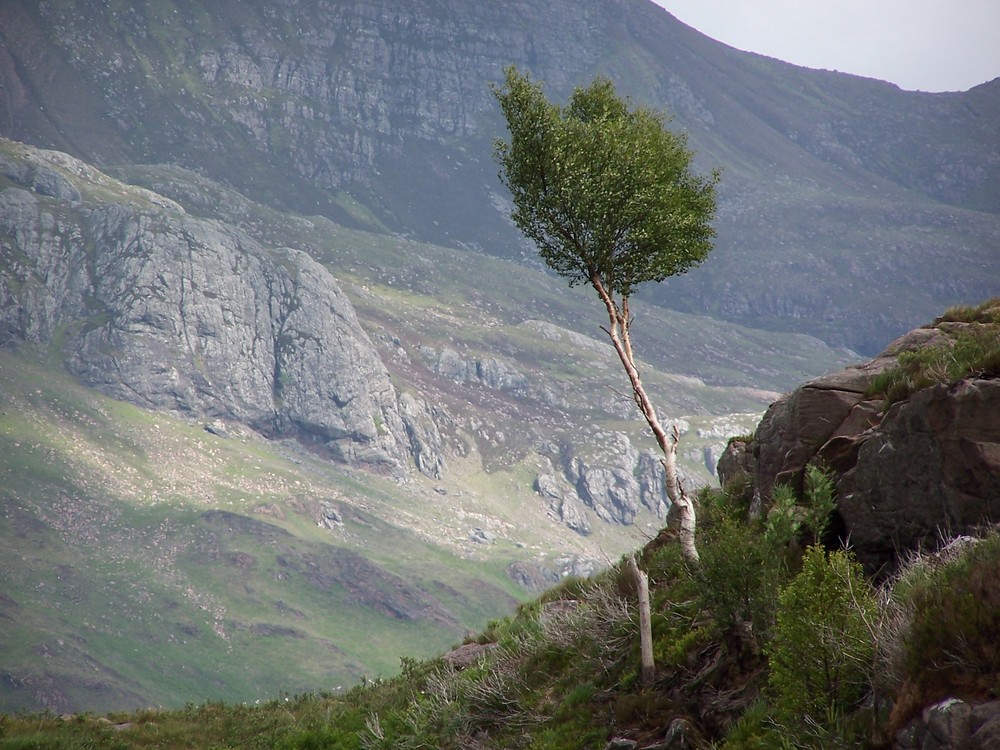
(772, 640)
(281, 380)
(221, 496)
(856, 195)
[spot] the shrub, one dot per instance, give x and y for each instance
(823, 645)
(951, 644)
(740, 574)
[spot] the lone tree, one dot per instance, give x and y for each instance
(608, 195)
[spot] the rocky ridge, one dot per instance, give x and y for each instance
(154, 306)
(909, 474)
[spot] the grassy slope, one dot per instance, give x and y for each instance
(564, 671)
(129, 592)
(128, 585)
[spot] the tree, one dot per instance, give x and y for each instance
(608, 195)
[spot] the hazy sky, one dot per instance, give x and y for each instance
(930, 45)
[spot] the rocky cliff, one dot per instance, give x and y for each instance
(172, 312)
(911, 437)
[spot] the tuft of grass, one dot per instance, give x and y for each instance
(974, 351)
(951, 635)
(985, 312)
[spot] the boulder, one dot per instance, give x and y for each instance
(736, 462)
(953, 723)
(929, 472)
(468, 654)
(922, 471)
(796, 426)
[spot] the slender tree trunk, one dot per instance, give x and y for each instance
(648, 672)
(681, 504)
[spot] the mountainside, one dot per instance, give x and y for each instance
(777, 637)
(279, 373)
(317, 473)
(149, 561)
(855, 194)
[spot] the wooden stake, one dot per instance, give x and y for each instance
(645, 626)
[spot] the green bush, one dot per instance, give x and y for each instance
(823, 647)
(792, 520)
(740, 573)
(953, 640)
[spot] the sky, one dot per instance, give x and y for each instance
(925, 45)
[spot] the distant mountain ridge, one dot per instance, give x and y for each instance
(275, 233)
(378, 114)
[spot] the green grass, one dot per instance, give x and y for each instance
(121, 594)
(971, 348)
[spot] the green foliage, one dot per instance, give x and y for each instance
(953, 639)
(822, 651)
(784, 519)
(754, 730)
(790, 519)
(974, 350)
(740, 574)
(603, 189)
(745, 562)
(821, 500)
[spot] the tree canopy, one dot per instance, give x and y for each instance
(604, 189)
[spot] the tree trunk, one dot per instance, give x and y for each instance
(645, 625)
(681, 504)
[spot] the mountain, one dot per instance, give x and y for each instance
(212, 445)
(280, 380)
(780, 636)
(856, 195)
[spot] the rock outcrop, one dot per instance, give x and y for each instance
(562, 500)
(923, 470)
(172, 312)
(488, 372)
(953, 724)
(930, 471)
(613, 488)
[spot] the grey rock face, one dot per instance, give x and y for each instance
(40, 178)
(426, 444)
(609, 488)
(614, 489)
(178, 313)
(652, 484)
(612, 493)
(953, 723)
(563, 502)
(488, 372)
